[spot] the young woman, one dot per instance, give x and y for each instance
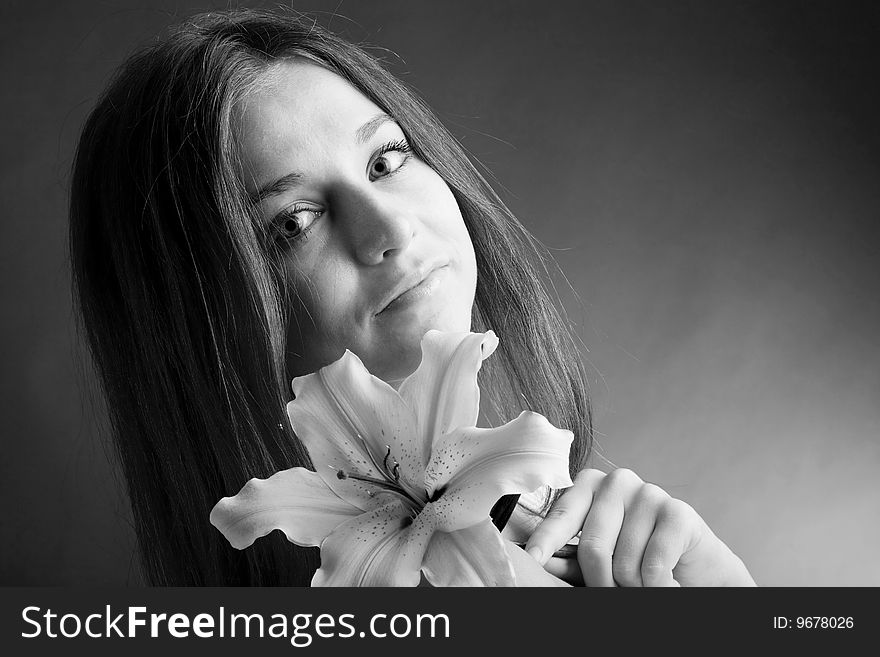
(253, 195)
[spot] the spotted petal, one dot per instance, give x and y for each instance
(471, 468)
(347, 420)
(474, 556)
(296, 501)
(443, 391)
(382, 547)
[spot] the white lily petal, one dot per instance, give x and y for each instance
(472, 467)
(382, 547)
(381, 455)
(347, 420)
(296, 501)
(474, 556)
(443, 391)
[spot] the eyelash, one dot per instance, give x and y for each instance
(289, 214)
(400, 145)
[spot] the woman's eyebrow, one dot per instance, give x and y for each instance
(276, 187)
(368, 129)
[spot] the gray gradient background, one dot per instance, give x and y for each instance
(706, 175)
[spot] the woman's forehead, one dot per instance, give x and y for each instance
(300, 96)
(300, 107)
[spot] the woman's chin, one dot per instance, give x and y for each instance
(393, 373)
(401, 353)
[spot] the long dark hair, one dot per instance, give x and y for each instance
(184, 308)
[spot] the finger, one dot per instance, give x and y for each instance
(567, 570)
(529, 573)
(603, 524)
(639, 522)
(667, 544)
(566, 517)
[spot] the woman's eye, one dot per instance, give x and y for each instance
(389, 159)
(296, 221)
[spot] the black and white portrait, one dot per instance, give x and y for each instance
(542, 293)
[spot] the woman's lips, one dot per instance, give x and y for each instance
(421, 290)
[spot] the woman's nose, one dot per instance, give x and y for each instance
(380, 227)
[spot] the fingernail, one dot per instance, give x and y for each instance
(536, 553)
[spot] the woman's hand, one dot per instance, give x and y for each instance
(632, 534)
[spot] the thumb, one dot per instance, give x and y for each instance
(565, 518)
(529, 573)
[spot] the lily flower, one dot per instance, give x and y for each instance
(404, 481)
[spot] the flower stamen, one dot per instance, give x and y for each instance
(391, 481)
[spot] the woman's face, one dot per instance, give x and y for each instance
(373, 241)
